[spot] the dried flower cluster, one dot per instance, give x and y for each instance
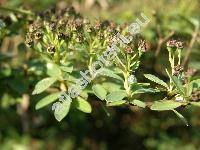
(55, 32)
(175, 44)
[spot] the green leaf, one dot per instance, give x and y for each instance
(165, 105)
(195, 83)
(43, 84)
(66, 69)
(62, 110)
(116, 96)
(145, 90)
(47, 100)
(83, 105)
(177, 84)
(156, 80)
(181, 117)
(195, 104)
(110, 73)
(116, 103)
(53, 70)
(99, 91)
(110, 87)
(138, 103)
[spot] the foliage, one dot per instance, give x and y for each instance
(150, 87)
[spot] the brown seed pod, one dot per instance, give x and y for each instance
(38, 35)
(32, 28)
(129, 50)
(195, 95)
(51, 49)
(29, 42)
(100, 36)
(177, 70)
(171, 43)
(52, 26)
(143, 46)
(61, 36)
(179, 45)
(98, 24)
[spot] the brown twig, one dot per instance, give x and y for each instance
(162, 40)
(189, 49)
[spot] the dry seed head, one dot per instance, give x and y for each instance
(177, 70)
(179, 45)
(52, 26)
(29, 42)
(195, 95)
(171, 43)
(61, 36)
(143, 46)
(32, 28)
(51, 49)
(98, 25)
(129, 50)
(38, 35)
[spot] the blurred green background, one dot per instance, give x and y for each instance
(127, 128)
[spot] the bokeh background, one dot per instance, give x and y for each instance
(127, 128)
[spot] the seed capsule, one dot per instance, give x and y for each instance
(32, 28)
(51, 49)
(98, 25)
(129, 50)
(195, 95)
(78, 24)
(179, 45)
(29, 42)
(171, 43)
(178, 70)
(61, 36)
(100, 36)
(52, 26)
(143, 46)
(38, 35)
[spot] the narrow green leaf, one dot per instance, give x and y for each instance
(195, 104)
(43, 84)
(181, 117)
(110, 73)
(99, 91)
(164, 105)
(47, 100)
(62, 110)
(195, 83)
(116, 96)
(53, 70)
(83, 105)
(145, 90)
(116, 103)
(177, 84)
(138, 103)
(110, 87)
(66, 69)
(156, 80)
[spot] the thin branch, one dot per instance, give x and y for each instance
(20, 11)
(161, 41)
(189, 49)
